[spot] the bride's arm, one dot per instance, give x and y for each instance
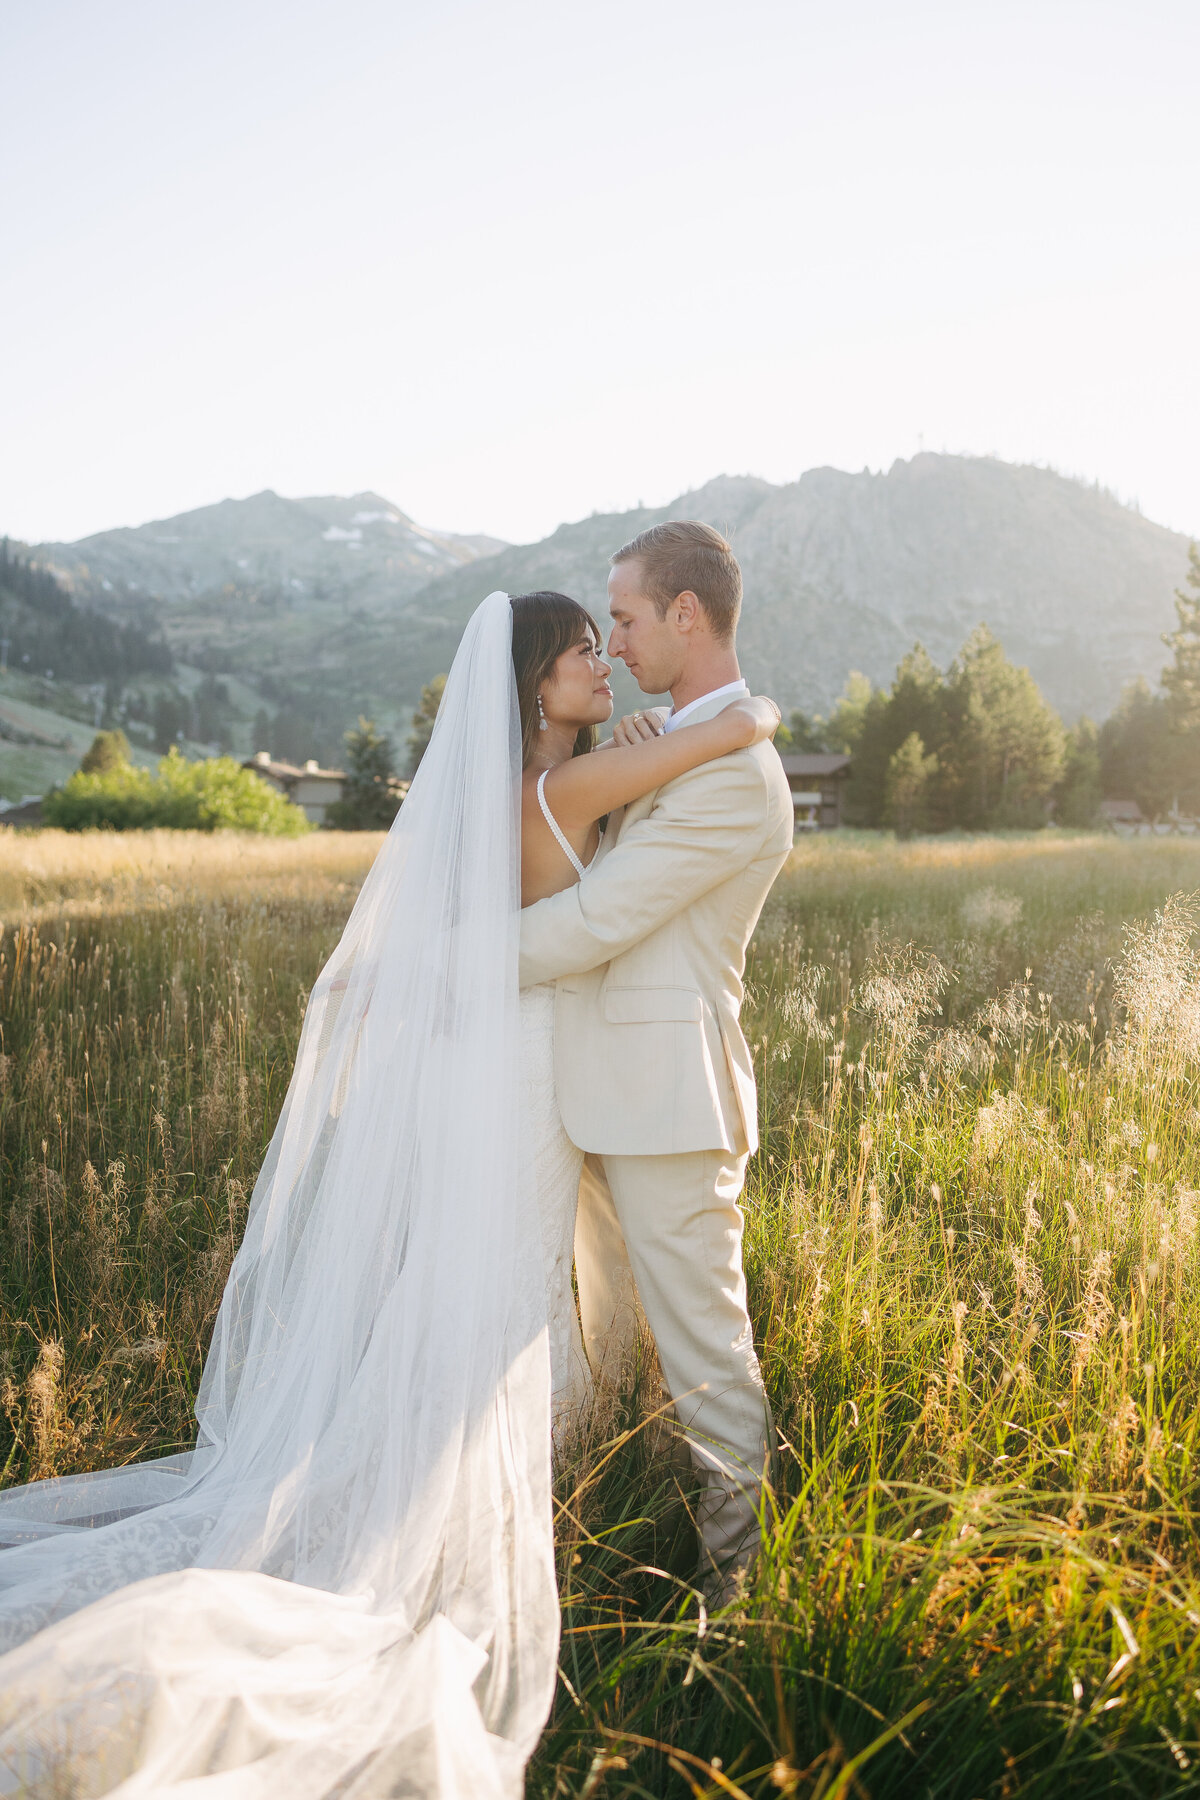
(585, 788)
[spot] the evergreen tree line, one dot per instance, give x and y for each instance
(978, 747)
(46, 631)
(205, 716)
(297, 722)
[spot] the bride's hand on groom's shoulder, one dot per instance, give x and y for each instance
(762, 716)
(638, 727)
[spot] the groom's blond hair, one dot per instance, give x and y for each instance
(684, 556)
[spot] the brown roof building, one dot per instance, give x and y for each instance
(311, 788)
(817, 780)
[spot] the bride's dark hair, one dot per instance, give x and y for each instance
(544, 625)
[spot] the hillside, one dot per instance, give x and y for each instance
(61, 668)
(846, 571)
(362, 550)
(40, 745)
(299, 597)
(311, 611)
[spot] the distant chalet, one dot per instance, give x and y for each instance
(311, 788)
(1122, 813)
(817, 780)
(1127, 819)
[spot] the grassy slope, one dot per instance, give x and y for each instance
(973, 1242)
(33, 768)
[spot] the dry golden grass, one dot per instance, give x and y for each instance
(47, 874)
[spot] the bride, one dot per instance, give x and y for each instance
(347, 1587)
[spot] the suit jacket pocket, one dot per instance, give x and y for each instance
(652, 1006)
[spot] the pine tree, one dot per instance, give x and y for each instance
(1077, 800)
(212, 711)
(171, 719)
(423, 721)
(805, 733)
(292, 733)
(910, 775)
(914, 703)
(261, 729)
(844, 725)
(871, 746)
(370, 800)
(1182, 678)
(1142, 757)
(109, 750)
(1007, 742)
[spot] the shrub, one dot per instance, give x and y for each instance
(122, 798)
(109, 750)
(217, 794)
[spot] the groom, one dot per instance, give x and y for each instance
(654, 1078)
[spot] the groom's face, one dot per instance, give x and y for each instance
(652, 649)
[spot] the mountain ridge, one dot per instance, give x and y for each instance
(264, 537)
(345, 603)
(846, 571)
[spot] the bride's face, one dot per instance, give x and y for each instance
(576, 692)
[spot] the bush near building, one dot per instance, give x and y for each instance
(214, 795)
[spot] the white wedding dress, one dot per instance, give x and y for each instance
(556, 1165)
(347, 1588)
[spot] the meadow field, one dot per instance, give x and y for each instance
(973, 1247)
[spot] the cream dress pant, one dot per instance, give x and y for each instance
(667, 1230)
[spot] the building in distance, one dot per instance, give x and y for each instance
(817, 780)
(310, 787)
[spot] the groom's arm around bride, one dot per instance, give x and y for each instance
(653, 1075)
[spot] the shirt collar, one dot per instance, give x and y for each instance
(731, 688)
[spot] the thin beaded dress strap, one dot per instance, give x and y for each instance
(552, 822)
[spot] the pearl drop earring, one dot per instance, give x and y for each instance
(541, 714)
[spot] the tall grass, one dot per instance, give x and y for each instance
(973, 1241)
(151, 992)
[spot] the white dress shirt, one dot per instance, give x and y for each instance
(731, 689)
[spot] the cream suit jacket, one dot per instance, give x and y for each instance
(648, 951)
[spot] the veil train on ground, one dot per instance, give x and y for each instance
(347, 1587)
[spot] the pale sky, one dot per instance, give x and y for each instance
(508, 263)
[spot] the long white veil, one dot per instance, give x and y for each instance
(348, 1586)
